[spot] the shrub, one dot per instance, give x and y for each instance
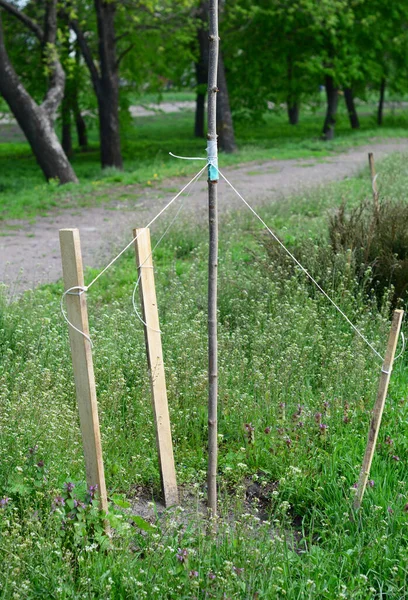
(376, 239)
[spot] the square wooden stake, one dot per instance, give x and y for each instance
(154, 351)
(82, 362)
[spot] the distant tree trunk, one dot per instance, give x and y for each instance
(332, 94)
(80, 124)
(37, 121)
(293, 112)
(108, 97)
(292, 101)
(225, 128)
(352, 113)
(79, 120)
(105, 80)
(66, 123)
(381, 102)
(201, 68)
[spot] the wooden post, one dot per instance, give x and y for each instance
(373, 182)
(379, 406)
(82, 362)
(154, 351)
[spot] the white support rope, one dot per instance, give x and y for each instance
(289, 253)
(148, 225)
(70, 292)
(85, 288)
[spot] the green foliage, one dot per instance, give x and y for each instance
(146, 143)
(377, 240)
(296, 393)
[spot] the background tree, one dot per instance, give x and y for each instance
(37, 120)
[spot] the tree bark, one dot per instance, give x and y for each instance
(105, 80)
(332, 94)
(80, 124)
(293, 112)
(225, 128)
(108, 99)
(292, 102)
(212, 269)
(351, 108)
(37, 121)
(201, 68)
(381, 102)
(66, 138)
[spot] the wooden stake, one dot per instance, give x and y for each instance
(212, 266)
(82, 362)
(373, 182)
(379, 406)
(154, 351)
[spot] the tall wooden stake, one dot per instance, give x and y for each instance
(373, 182)
(212, 263)
(379, 406)
(156, 366)
(82, 362)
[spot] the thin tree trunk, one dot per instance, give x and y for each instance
(105, 80)
(225, 128)
(199, 121)
(212, 268)
(66, 140)
(80, 126)
(292, 101)
(293, 112)
(381, 102)
(79, 120)
(351, 108)
(332, 94)
(37, 121)
(201, 70)
(108, 96)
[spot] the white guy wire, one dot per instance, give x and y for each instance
(275, 237)
(137, 313)
(148, 225)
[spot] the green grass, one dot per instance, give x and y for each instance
(147, 142)
(287, 363)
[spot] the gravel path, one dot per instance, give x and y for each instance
(29, 253)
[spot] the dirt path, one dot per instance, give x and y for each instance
(29, 253)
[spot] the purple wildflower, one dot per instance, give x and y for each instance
(238, 570)
(69, 486)
(59, 501)
(371, 483)
(40, 464)
(267, 430)
(323, 427)
(355, 486)
(211, 575)
(33, 450)
(288, 442)
(389, 509)
(396, 458)
(193, 574)
(182, 555)
(389, 441)
(318, 417)
(4, 501)
(92, 490)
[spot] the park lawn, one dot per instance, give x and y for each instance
(288, 364)
(147, 142)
